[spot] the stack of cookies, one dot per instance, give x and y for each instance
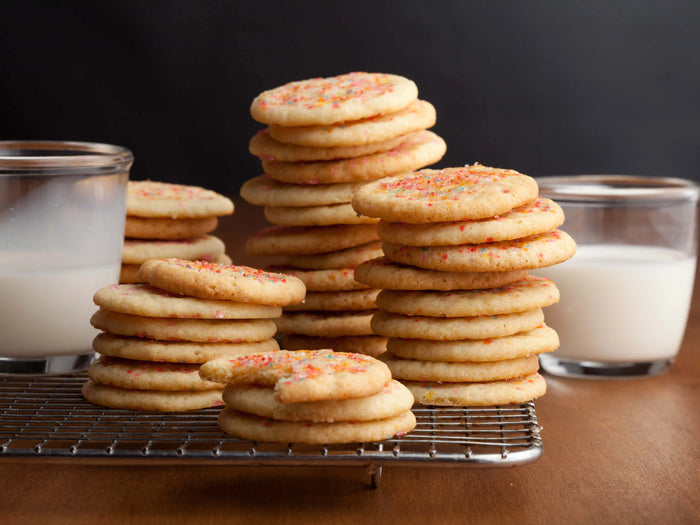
(326, 138)
(171, 220)
(463, 317)
(156, 335)
(310, 396)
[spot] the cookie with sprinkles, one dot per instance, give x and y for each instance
(256, 428)
(527, 294)
(322, 101)
(418, 115)
(450, 194)
(262, 145)
(204, 247)
(417, 150)
(219, 282)
(488, 393)
(536, 251)
(303, 375)
(150, 400)
(175, 201)
(149, 301)
(383, 273)
(129, 273)
(539, 216)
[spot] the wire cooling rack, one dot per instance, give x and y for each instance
(48, 417)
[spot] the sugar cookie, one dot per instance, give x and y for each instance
(536, 251)
(249, 426)
(392, 400)
(264, 146)
(303, 375)
(265, 191)
(220, 282)
(326, 215)
(333, 280)
(415, 370)
(204, 247)
(150, 400)
(520, 296)
(418, 149)
(449, 194)
(337, 301)
(540, 340)
(175, 201)
(305, 240)
(508, 391)
(175, 329)
(129, 273)
(373, 345)
(453, 328)
(382, 273)
(319, 101)
(420, 114)
(168, 229)
(331, 324)
(347, 258)
(538, 216)
(174, 351)
(149, 301)
(143, 375)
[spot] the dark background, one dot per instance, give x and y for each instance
(541, 87)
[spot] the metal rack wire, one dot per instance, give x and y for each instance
(48, 417)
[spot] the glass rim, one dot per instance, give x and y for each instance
(39, 154)
(617, 188)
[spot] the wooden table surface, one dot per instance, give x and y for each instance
(615, 451)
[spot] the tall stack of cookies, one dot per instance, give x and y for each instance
(155, 336)
(463, 317)
(171, 220)
(326, 138)
(310, 396)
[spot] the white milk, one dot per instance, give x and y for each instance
(621, 303)
(47, 313)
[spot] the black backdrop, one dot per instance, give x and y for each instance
(542, 87)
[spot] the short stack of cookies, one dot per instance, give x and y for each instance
(155, 335)
(326, 138)
(310, 396)
(463, 317)
(171, 220)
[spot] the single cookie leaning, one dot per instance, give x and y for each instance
(450, 194)
(215, 281)
(303, 375)
(539, 216)
(174, 201)
(351, 96)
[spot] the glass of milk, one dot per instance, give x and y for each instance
(625, 295)
(62, 214)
